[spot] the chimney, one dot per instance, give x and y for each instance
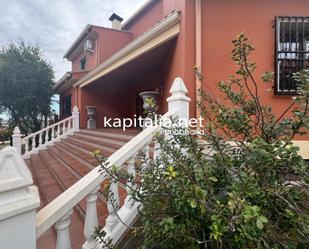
(116, 21)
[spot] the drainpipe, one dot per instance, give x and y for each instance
(198, 49)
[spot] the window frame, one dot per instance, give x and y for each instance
(67, 106)
(279, 19)
(83, 63)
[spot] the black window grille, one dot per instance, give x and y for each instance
(292, 51)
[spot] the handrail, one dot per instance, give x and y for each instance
(47, 128)
(65, 202)
(41, 139)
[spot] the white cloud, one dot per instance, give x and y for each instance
(54, 25)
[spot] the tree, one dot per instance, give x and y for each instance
(244, 187)
(26, 86)
(5, 134)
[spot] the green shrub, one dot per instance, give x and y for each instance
(5, 135)
(242, 185)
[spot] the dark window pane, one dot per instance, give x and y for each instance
(292, 51)
(83, 64)
(66, 107)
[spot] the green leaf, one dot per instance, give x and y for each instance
(193, 203)
(213, 179)
(261, 221)
(259, 224)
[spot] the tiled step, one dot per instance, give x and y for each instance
(69, 170)
(111, 134)
(84, 155)
(99, 141)
(79, 169)
(61, 165)
(50, 189)
(106, 151)
(43, 199)
(65, 179)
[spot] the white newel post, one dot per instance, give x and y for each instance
(91, 221)
(75, 114)
(16, 137)
(178, 101)
(19, 200)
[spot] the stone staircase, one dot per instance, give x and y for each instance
(62, 164)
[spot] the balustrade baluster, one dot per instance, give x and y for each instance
(46, 136)
(58, 131)
(33, 143)
(147, 151)
(91, 221)
(63, 128)
(40, 139)
(26, 145)
(157, 150)
(53, 133)
(128, 202)
(112, 206)
(63, 234)
(70, 124)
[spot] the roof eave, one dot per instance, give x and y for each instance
(61, 81)
(82, 35)
(137, 13)
(165, 23)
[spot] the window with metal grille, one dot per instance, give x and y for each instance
(292, 51)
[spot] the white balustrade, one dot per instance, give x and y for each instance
(63, 233)
(157, 150)
(16, 137)
(147, 151)
(91, 221)
(128, 202)
(112, 206)
(40, 139)
(34, 144)
(58, 131)
(46, 135)
(53, 133)
(57, 211)
(26, 146)
(75, 114)
(64, 129)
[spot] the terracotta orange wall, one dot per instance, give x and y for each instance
(150, 16)
(113, 102)
(147, 82)
(76, 62)
(224, 19)
(109, 41)
(91, 61)
(181, 60)
(106, 44)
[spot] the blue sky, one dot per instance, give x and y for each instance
(54, 24)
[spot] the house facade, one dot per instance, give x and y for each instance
(51, 188)
(167, 38)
